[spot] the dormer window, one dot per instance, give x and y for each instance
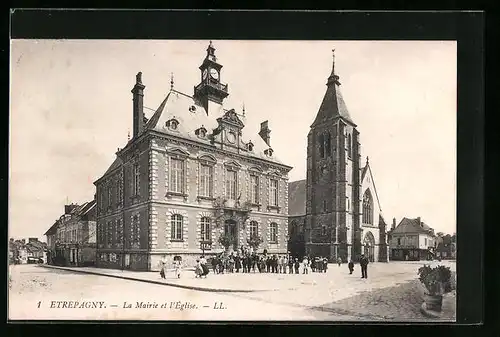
(172, 124)
(192, 108)
(201, 132)
(250, 146)
(269, 152)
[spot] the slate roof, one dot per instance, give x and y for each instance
(297, 198)
(412, 226)
(116, 163)
(177, 105)
(52, 230)
(333, 104)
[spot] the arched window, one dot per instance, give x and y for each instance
(254, 229)
(328, 145)
(176, 225)
(321, 142)
(273, 232)
(367, 208)
(206, 231)
(349, 145)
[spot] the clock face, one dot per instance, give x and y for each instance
(231, 137)
(205, 72)
(214, 74)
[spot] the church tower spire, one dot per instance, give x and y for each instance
(333, 105)
(333, 178)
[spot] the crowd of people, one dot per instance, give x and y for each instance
(251, 262)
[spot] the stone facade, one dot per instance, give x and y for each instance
(187, 171)
(342, 207)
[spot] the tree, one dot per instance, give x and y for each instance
(255, 241)
(226, 240)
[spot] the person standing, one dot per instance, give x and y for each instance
(305, 265)
(178, 268)
(285, 264)
(244, 263)
(297, 265)
(339, 261)
(290, 264)
(363, 262)
(162, 267)
(351, 267)
(325, 264)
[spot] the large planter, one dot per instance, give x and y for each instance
(433, 302)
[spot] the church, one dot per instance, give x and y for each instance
(188, 177)
(335, 212)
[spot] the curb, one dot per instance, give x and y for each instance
(215, 290)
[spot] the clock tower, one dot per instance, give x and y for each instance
(210, 92)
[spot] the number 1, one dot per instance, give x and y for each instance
(39, 302)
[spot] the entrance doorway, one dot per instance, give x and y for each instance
(369, 247)
(231, 230)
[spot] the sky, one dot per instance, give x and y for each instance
(71, 108)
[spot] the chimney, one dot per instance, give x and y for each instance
(264, 132)
(419, 221)
(393, 223)
(138, 105)
(69, 208)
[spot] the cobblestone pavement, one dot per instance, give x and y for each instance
(391, 292)
(36, 293)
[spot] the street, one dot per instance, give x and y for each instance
(392, 292)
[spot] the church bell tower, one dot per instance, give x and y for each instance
(210, 92)
(333, 179)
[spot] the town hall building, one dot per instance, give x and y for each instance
(189, 176)
(335, 212)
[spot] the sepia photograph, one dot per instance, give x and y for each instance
(232, 180)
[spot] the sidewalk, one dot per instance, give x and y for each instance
(235, 282)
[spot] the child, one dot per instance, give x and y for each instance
(351, 266)
(177, 268)
(198, 271)
(162, 269)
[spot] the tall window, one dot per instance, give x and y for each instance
(273, 232)
(136, 179)
(206, 178)
(321, 143)
(273, 192)
(254, 229)
(109, 233)
(176, 227)
(349, 145)
(135, 233)
(206, 232)
(367, 208)
(328, 144)
(324, 206)
(119, 189)
(110, 195)
(177, 175)
(399, 241)
(254, 189)
(119, 231)
(231, 183)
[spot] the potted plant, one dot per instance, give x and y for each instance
(436, 282)
(226, 240)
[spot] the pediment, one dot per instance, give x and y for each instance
(208, 158)
(178, 152)
(232, 163)
(231, 117)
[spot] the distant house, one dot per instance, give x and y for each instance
(36, 251)
(446, 246)
(17, 251)
(296, 218)
(71, 239)
(411, 240)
